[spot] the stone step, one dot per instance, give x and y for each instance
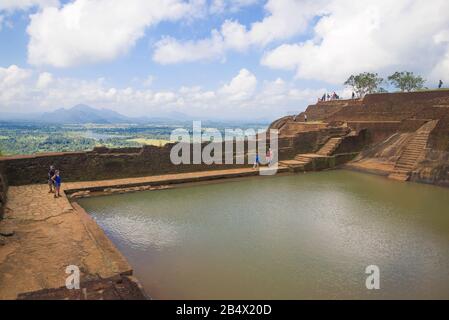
(407, 163)
(402, 171)
(413, 151)
(302, 159)
(403, 168)
(415, 145)
(409, 156)
(291, 163)
(399, 176)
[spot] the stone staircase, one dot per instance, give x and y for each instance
(300, 161)
(330, 146)
(412, 153)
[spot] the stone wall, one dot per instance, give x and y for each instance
(3, 192)
(303, 142)
(351, 144)
(101, 163)
(331, 162)
(394, 107)
(377, 130)
(439, 138)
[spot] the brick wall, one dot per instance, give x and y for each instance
(104, 163)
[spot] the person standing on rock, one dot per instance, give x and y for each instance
(305, 117)
(440, 84)
(51, 184)
(57, 180)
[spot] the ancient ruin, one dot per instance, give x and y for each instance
(402, 136)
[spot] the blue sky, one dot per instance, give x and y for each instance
(218, 58)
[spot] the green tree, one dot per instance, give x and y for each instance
(406, 81)
(365, 83)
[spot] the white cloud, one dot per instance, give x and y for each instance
(241, 86)
(44, 80)
(13, 86)
(23, 90)
(284, 19)
(13, 5)
(85, 31)
(13, 75)
(341, 37)
(169, 50)
(370, 35)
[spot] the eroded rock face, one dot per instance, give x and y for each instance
(434, 169)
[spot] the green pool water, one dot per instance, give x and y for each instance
(305, 236)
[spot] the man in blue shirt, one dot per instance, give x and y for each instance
(57, 180)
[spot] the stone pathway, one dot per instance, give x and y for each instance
(50, 234)
(164, 179)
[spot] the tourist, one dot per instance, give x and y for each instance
(440, 85)
(305, 117)
(334, 96)
(328, 97)
(353, 95)
(270, 153)
(57, 181)
(324, 97)
(268, 157)
(256, 162)
(51, 173)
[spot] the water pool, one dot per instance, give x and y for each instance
(305, 236)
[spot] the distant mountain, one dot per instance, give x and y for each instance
(82, 114)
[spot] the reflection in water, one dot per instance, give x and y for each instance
(292, 237)
(141, 232)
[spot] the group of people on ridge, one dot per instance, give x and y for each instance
(328, 97)
(54, 181)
